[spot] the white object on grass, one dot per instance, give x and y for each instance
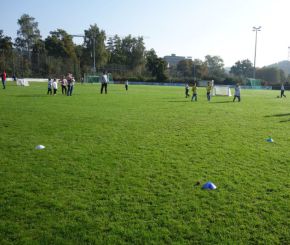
(39, 147)
(22, 82)
(222, 90)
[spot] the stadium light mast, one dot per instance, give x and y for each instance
(256, 29)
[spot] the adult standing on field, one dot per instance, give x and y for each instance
(237, 93)
(49, 86)
(126, 85)
(282, 91)
(3, 77)
(104, 81)
(63, 83)
(70, 84)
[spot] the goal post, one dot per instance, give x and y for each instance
(222, 90)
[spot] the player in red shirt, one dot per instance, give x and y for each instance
(3, 76)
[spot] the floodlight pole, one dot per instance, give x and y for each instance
(94, 51)
(256, 29)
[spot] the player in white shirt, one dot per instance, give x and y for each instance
(237, 93)
(104, 81)
(54, 85)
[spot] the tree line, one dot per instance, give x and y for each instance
(29, 55)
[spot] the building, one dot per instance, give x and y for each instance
(173, 60)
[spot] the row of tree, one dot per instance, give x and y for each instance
(126, 57)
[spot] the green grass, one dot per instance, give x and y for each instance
(121, 168)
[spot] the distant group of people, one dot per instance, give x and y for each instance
(208, 92)
(67, 85)
(194, 91)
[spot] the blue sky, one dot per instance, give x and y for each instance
(186, 27)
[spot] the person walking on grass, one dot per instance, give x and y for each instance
(208, 90)
(282, 91)
(49, 86)
(3, 77)
(237, 93)
(194, 92)
(186, 90)
(104, 81)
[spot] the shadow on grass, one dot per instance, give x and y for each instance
(228, 101)
(32, 95)
(176, 101)
(279, 115)
(283, 121)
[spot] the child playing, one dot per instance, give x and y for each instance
(186, 91)
(194, 92)
(54, 85)
(208, 90)
(237, 93)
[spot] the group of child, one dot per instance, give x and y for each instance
(208, 92)
(67, 84)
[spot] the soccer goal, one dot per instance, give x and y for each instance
(22, 82)
(205, 83)
(222, 90)
(96, 78)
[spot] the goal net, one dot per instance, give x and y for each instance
(204, 83)
(222, 90)
(254, 83)
(96, 78)
(22, 82)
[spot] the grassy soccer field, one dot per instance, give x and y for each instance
(122, 167)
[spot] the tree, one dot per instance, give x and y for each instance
(28, 33)
(129, 51)
(38, 59)
(155, 65)
(5, 51)
(61, 53)
(271, 74)
(186, 68)
(215, 66)
(60, 44)
(133, 49)
(94, 41)
(200, 69)
(243, 68)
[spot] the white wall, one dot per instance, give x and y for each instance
(30, 79)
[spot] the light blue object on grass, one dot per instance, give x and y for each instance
(270, 140)
(209, 186)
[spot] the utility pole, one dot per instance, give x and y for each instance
(256, 29)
